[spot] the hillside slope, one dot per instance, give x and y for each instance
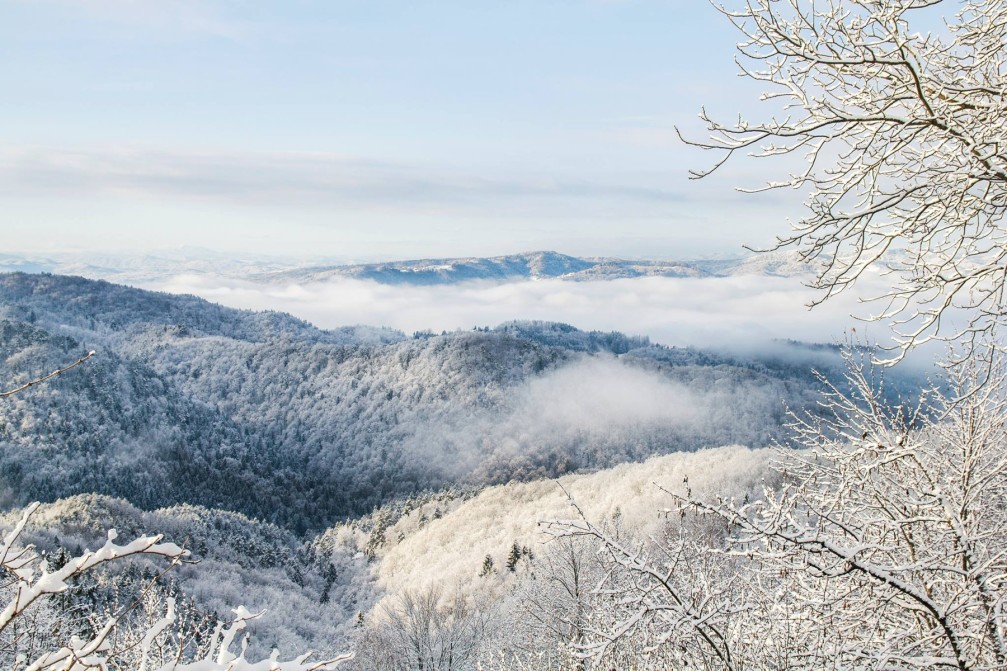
(261, 413)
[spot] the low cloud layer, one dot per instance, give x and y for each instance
(731, 311)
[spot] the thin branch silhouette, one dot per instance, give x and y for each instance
(58, 371)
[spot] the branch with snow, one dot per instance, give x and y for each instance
(58, 371)
(903, 138)
(884, 545)
(31, 583)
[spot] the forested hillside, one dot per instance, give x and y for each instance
(322, 475)
(328, 592)
(263, 414)
(311, 601)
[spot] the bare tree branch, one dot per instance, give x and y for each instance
(58, 371)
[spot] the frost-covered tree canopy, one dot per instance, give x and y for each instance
(189, 402)
(895, 111)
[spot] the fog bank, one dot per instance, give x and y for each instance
(734, 310)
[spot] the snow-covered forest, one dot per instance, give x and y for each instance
(189, 487)
(267, 416)
(294, 459)
(323, 475)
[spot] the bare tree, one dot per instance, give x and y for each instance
(669, 601)
(422, 631)
(904, 136)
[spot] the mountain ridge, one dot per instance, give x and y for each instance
(264, 414)
(538, 265)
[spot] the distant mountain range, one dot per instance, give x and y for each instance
(542, 265)
(529, 266)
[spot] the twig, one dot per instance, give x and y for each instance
(56, 372)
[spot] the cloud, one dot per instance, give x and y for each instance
(740, 310)
(597, 394)
(303, 180)
(593, 410)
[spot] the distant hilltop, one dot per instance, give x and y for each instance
(534, 266)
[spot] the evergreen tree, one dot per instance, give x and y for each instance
(513, 557)
(487, 568)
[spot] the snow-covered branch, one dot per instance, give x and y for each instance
(883, 546)
(58, 371)
(903, 135)
(30, 583)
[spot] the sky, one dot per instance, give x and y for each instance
(362, 130)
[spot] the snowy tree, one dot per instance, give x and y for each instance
(551, 610)
(881, 547)
(901, 120)
(487, 567)
(421, 631)
(31, 627)
(669, 601)
(29, 641)
(513, 557)
(888, 531)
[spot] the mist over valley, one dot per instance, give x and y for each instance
(337, 446)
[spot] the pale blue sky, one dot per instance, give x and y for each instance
(369, 129)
